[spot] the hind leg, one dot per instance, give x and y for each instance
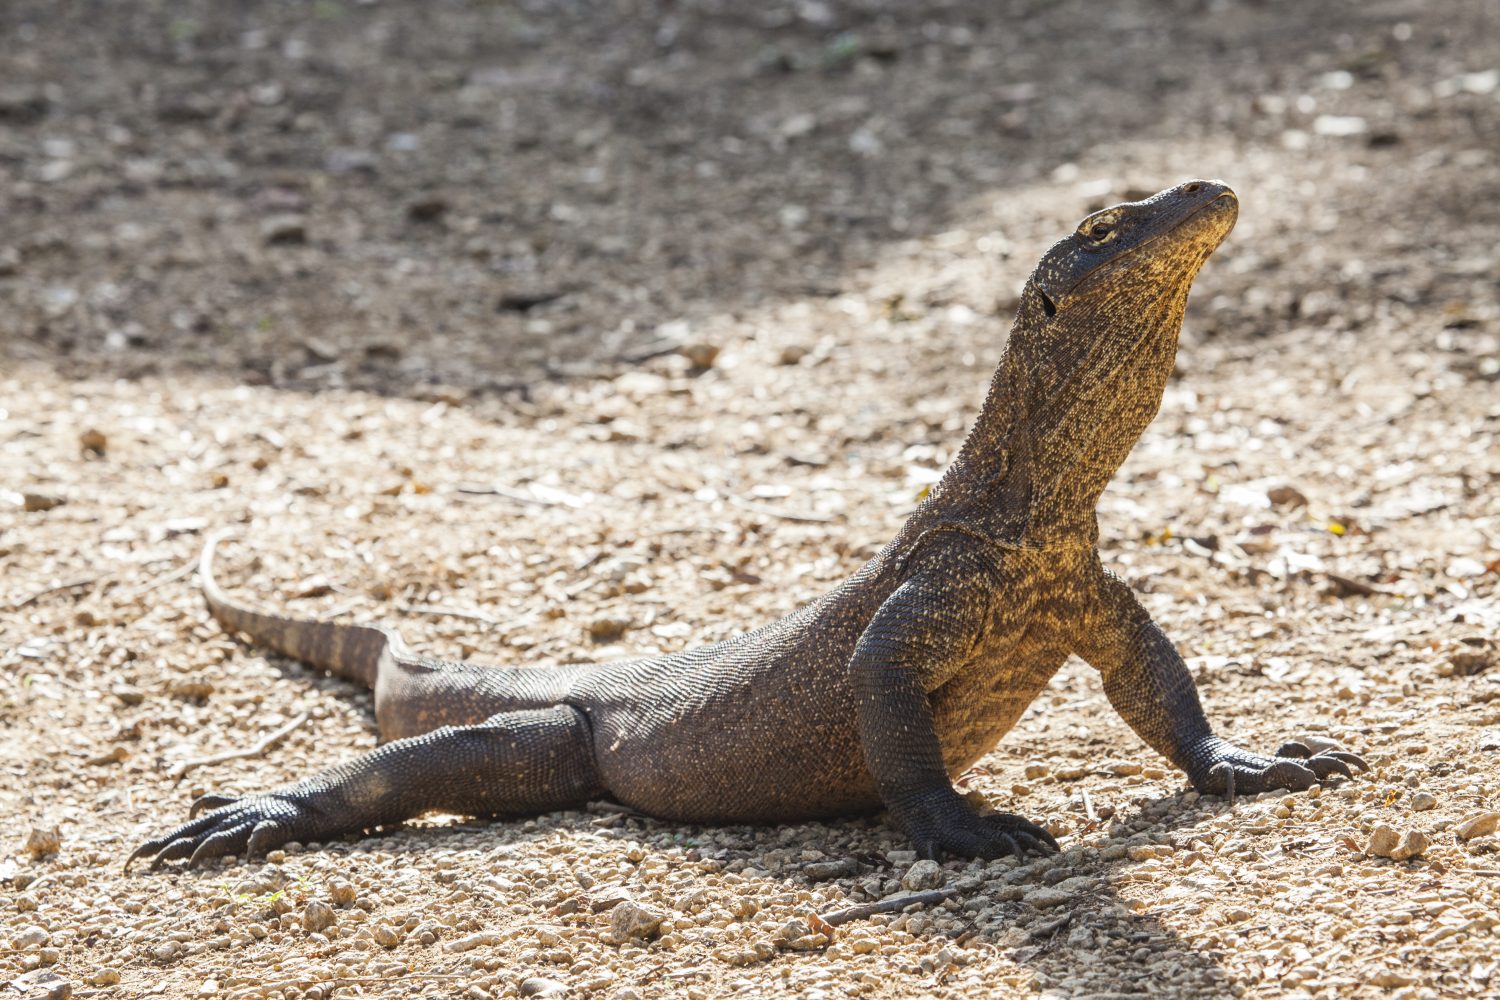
(416, 695)
(512, 763)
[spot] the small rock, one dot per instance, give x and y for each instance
(105, 977)
(42, 842)
(10, 261)
(606, 628)
(284, 229)
(1286, 496)
(924, 875)
(1035, 772)
(1413, 845)
(1478, 826)
(700, 354)
(318, 916)
(1464, 567)
(1340, 126)
(1423, 801)
(128, 695)
(33, 503)
(42, 984)
(1122, 769)
(385, 935)
(792, 929)
(93, 441)
(630, 921)
(472, 941)
(819, 871)
(342, 893)
(792, 354)
(30, 937)
(537, 986)
(1388, 979)
(901, 857)
(806, 942)
(22, 103)
(428, 208)
(609, 898)
(1383, 840)
(1045, 897)
(738, 955)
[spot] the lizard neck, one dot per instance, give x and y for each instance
(1062, 413)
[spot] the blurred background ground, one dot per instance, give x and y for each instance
(617, 328)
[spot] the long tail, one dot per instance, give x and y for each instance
(349, 651)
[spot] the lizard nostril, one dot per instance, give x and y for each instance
(1192, 188)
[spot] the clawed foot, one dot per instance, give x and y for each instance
(244, 826)
(1229, 771)
(943, 823)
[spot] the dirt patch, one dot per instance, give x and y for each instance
(563, 332)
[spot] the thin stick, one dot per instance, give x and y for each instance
(790, 515)
(179, 769)
(887, 905)
(187, 569)
(73, 585)
(507, 494)
(443, 609)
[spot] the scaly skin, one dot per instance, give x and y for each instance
(880, 692)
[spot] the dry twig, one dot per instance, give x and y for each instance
(888, 905)
(176, 771)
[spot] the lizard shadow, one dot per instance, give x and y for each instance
(1062, 920)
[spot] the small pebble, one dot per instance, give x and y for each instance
(317, 916)
(924, 875)
(41, 842)
(631, 921)
(93, 441)
(1423, 801)
(1414, 844)
(1478, 826)
(1383, 840)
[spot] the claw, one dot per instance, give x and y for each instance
(1292, 776)
(1296, 749)
(1347, 757)
(1226, 771)
(217, 845)
(1323, 766)
(210, 802)
(262, 837)
(188, 831)
(179, 848)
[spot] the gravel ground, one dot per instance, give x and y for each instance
(556, 333)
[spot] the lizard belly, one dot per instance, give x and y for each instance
(761, 729)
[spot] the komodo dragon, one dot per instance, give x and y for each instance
(878, 693)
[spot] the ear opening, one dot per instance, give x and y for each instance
(1048, 306)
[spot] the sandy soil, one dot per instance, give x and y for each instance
(573, 331)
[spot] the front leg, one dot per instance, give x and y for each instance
(512, 763)
(921, 635)
(1149, 685)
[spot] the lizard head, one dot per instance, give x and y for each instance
(1162, 239)
(1095, 343)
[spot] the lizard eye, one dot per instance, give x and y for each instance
(1099, 230)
